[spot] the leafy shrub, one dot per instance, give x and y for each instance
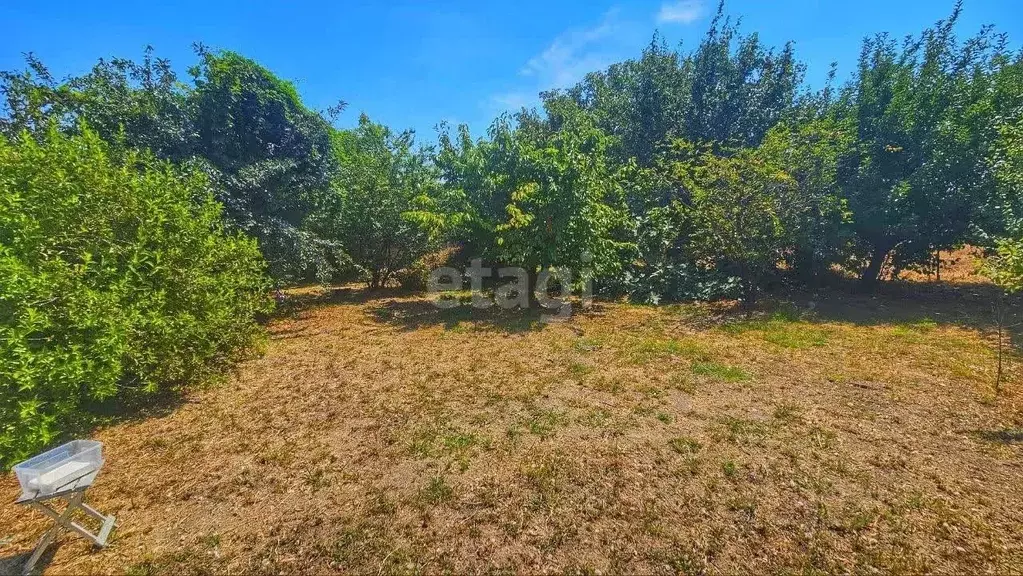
(537, 197)
(1007, 164)
(416, 276)
(1008, 265)
(383, 209)
(666, 268)
(117, 279)
(921, 112)
(816, 216)
(268, 154)
(737, 206)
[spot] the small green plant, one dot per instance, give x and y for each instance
(461, 441)
(579, 369)
(728, 468)
(543, 423)
(211, 540)
(685, 445)
(595, 418)
(647, 350)
(436, 492)
(718, 371)
(586, 344)
(741, 429)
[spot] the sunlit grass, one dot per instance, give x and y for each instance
(723, 372)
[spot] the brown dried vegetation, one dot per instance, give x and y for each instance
(380, 434)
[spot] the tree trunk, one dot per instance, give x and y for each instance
(749, 297)
(1000, 317)
(750, 283)
(870, 276)
(533, 275)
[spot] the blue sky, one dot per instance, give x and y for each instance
(414, 64)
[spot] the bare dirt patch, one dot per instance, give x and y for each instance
(379, 434)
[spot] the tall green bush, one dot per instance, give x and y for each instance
(269, 155)
(817, 216)
(541, 195)
(1007, 165)
(915, 175)
(383, 209)
(117, 279)
(738, 207)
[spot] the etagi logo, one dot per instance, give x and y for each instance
(514, 293)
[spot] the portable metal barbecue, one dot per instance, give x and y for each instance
(64, 472)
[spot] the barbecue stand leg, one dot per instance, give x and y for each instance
(54, 531)
(106, 525)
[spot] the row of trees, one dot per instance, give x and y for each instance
(695, 175)
(675, 175)
(144, 222)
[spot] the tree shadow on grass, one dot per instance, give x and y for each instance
(300, 301)
(414, 314)
(897, 302)
(900, 302)
(1001, 436)
(95, 414)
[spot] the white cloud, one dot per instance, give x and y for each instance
(573, 53)
(681, 12)
(566, 60)
(511, 101)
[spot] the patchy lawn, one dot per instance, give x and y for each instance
(380, 434)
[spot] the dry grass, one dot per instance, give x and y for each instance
(383, 435)
(957, 267)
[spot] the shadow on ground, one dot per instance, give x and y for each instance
(899, 302)
(973, 306)
(1001, 436)
(15, 563)
(415, 314)
(301, 301)
(412, 314)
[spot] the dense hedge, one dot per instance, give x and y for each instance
(117, 279)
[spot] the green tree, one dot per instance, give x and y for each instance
(817, 216)
(737, 93)
(269, 156)
(728, 92)
(272, 156)
(915, 175)
(117, 279)
(566, 207)
(384, 212)
(479, 176)
(540, 198)
(141, 105)
(737, 205)
(1007, 164)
